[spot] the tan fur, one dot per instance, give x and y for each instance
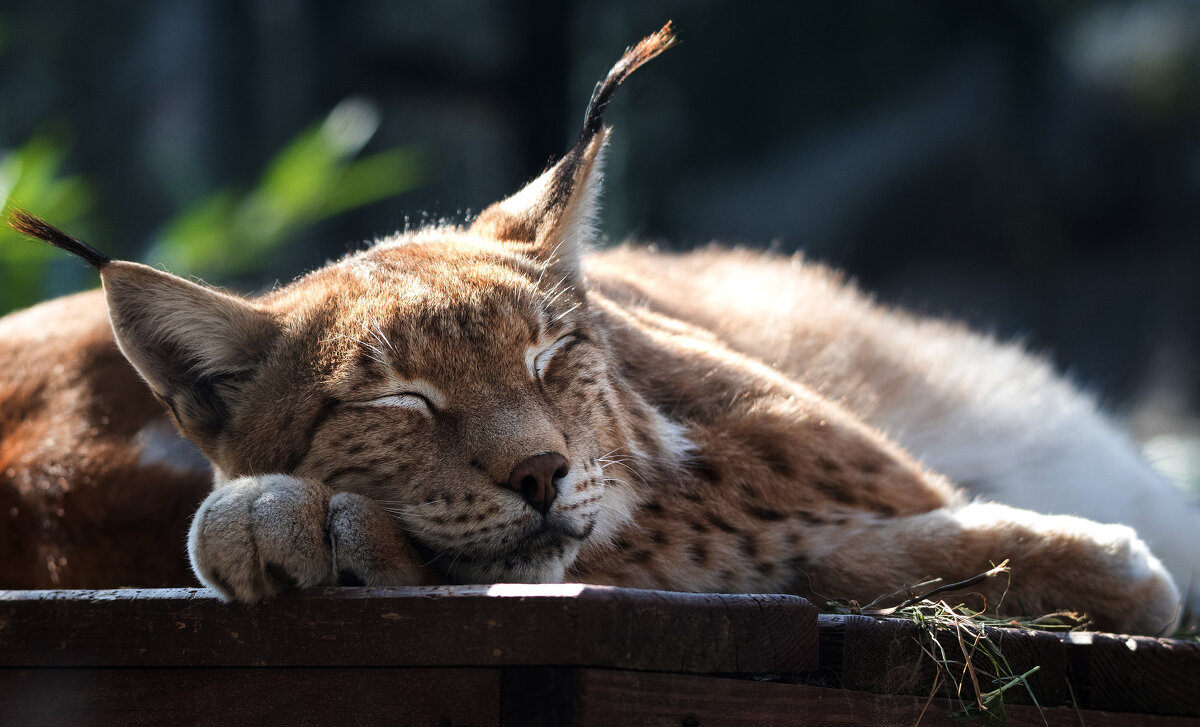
(79, 508)
(718, 412)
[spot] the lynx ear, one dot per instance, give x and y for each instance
(190, 343)
(551, 219)
(193, 345)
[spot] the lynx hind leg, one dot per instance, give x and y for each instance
(1058, 562)
(1103, 569)
(254, 537)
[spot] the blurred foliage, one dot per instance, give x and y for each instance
(31, 177)
(316, 176)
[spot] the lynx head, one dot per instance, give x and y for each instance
(458, 376)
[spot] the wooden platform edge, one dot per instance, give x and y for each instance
(563, 627)
(501, 625)
(1132, 674)
(504, 696)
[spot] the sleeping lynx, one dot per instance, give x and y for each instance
(493, 403)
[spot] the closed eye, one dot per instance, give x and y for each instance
(542, 360)
(403, 400)
(409, 394)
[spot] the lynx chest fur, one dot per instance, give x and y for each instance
(493, 403)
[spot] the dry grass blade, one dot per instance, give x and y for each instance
(970, 668)
(968, 660)
(946, 588)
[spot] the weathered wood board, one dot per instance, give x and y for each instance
(503, 625)
(546, 654)
(1089, 670)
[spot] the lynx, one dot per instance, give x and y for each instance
(494, 402)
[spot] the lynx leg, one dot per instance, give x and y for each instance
(1057, 562)
(367, 550)
(254, 537)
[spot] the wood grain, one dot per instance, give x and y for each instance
(1089, 670)
(894, 656)
(549, 654)
(512, 696)
(607, 698)
(1136, 673)
(513, 625)
(174, 697)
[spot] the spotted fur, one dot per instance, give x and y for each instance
(367, 424)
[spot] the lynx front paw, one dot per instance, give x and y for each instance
(257, 536)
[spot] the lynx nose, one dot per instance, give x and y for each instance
(534, 479)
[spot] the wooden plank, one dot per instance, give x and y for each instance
(1136, 673)
(1090, 670)
(606, 698)
(473, 696)
(173, 697)
(540, 695)
(521, 625)
(1023, 650)
(874, 655)
(893, 656)
(531, 631)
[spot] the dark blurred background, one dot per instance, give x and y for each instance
(1029, 167)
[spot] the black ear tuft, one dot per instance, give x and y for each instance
(550, 218)
(634, 58)
(37, 228)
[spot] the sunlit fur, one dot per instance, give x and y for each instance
(729, 422)
(694, 464)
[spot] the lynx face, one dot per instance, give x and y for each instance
(464, 388)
